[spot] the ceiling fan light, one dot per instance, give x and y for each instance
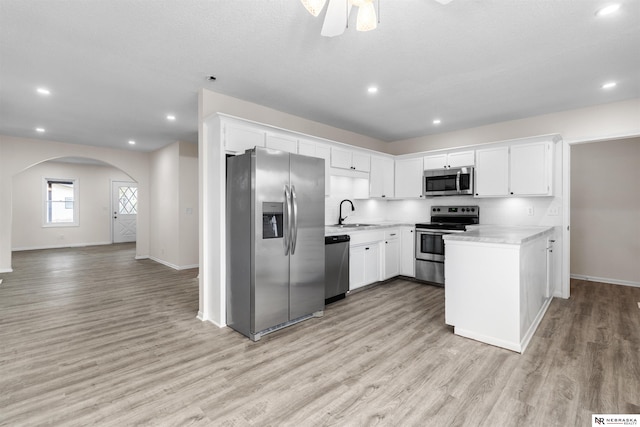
(314, 6)
(366, 20)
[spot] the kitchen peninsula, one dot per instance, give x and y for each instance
(498, 283)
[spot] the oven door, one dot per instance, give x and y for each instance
(429, 264)
(430, 245)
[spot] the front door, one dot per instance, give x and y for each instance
(125, 210)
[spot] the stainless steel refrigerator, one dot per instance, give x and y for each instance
(275, 240)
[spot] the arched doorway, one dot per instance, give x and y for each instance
(72, 201)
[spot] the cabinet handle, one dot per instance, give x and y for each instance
(366, 249)
(512, 192)
(392, 234)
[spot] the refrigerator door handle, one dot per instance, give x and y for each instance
(287, 226)
(294, 234)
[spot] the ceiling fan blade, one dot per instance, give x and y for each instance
(444, 1)
(335, 21)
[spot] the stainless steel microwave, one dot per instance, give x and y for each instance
(448, 182)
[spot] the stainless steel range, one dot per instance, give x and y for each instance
(430, 255)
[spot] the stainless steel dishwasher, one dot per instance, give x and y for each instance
(336, 267)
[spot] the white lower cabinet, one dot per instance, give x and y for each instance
(407, 252)
(391, 254)
(364, 265)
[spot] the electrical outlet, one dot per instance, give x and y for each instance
(530, 210)
(553, 211)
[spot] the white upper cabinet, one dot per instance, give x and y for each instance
(408, 182)
(381, 177)
(530, 173)
(282, 142)
(239, 138)
(461, 158)
(515, 170)
(492, 172)
(449, 160)
(347, 159)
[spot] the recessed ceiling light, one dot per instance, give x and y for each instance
(372, 89)
(132, 142)
(437, 121)
(171, 117)
(608, 10)
(43, 91)
(41, 130)
(609, 85)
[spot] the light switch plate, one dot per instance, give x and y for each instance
(553, 211)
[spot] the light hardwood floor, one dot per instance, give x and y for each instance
(90, 336)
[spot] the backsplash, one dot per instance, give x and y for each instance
(546, 211)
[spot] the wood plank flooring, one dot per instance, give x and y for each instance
(90, 336)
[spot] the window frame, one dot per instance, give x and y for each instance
(45, 203)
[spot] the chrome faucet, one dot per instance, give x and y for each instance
(340, 218)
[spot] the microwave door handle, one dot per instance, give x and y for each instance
(458, 181)
(287, 225)
(294, 228)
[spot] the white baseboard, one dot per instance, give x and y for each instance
(6, 270)
(141, 257)
(606, 280)
(524, 343)
(168, 264)
(67, 245)
(200, 316)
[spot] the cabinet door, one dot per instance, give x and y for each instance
(530, 169)
(360, 161)
(381, 177)
(391, 257)
(492, 172)
(340, 158)
(356, 267)
(371, 263)
(238, 139)
(461, 158)
(282, 143)
(407, 252)
(408, 182)
(307, 148)
(436, 161)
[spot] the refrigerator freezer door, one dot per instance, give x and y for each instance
(307, 261)
(270, 279)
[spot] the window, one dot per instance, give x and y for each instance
(60, 202)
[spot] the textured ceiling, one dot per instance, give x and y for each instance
(117, 67)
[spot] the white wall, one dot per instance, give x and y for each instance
(18, 154)
(164, 170)
(605, 211)
(188, 205)
(94, 209)
(174, 205)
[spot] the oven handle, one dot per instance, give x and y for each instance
(428, 231)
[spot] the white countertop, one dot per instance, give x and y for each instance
(332, 230)
(510, 235)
